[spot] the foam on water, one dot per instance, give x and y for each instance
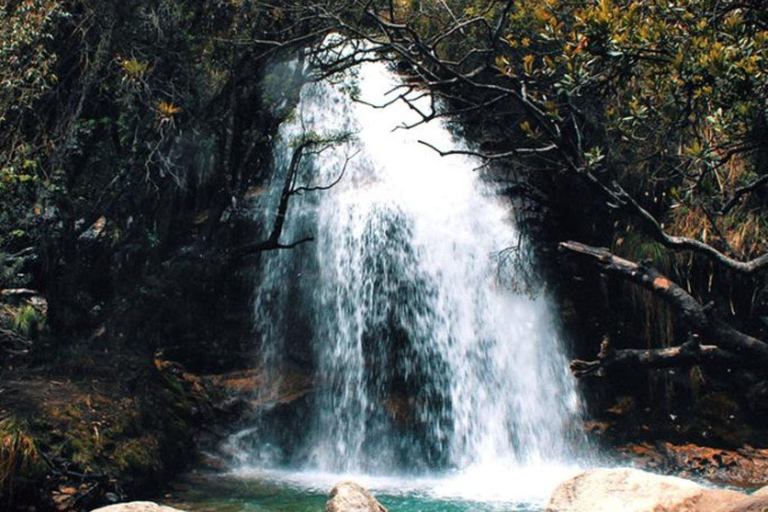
(493, 487)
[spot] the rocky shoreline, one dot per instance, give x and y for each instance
(103, 441)
(633, 490)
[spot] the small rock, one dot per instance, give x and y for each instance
(350, 497)
(137, 506)
(94, 231)
(632, 490)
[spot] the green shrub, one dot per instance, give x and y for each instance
(28, 321)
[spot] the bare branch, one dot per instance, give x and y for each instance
(18, 292)
(439, 74)
(289, 190)
(678, 243)
(490, 156)
(335, 182)
(266, 245)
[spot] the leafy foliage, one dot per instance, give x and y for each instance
(668, 95)
(121, 123)
(27, 60)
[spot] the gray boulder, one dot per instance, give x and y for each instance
(137, 506)
(632, 490)
(350, 497)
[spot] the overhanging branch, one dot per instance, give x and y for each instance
(654, 228)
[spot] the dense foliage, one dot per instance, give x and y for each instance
(132, 134)
(672, 94)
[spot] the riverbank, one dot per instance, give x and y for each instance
(114, 426)
(91, 430)
(128, 428)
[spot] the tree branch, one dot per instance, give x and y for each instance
(699, 318)
(301, 190)
(653, 227)
(740, 192)
(438, 74)
(490, 156)
(690, 353)
(289, 190)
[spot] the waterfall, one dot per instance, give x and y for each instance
(426, 356)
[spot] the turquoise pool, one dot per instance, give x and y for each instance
(274, 491)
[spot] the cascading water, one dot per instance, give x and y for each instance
(426, 359)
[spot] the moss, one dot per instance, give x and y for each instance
(175, 394)
(72, 436)
(89, 431)
(138, 456)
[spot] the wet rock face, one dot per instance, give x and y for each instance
(350, 497)
(632, 490)
(137, 506)
(745, 468)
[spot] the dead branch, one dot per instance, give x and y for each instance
(19, 292)
(290, 189)
(301, 190)
(681, 243)
(688, 354)
(490, 156)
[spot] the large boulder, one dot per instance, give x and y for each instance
(137, 506)
(350, 497)
(632, 490)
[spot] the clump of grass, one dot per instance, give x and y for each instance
(637, 247)
(134, 69)
(18, 454)
(28, 321)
